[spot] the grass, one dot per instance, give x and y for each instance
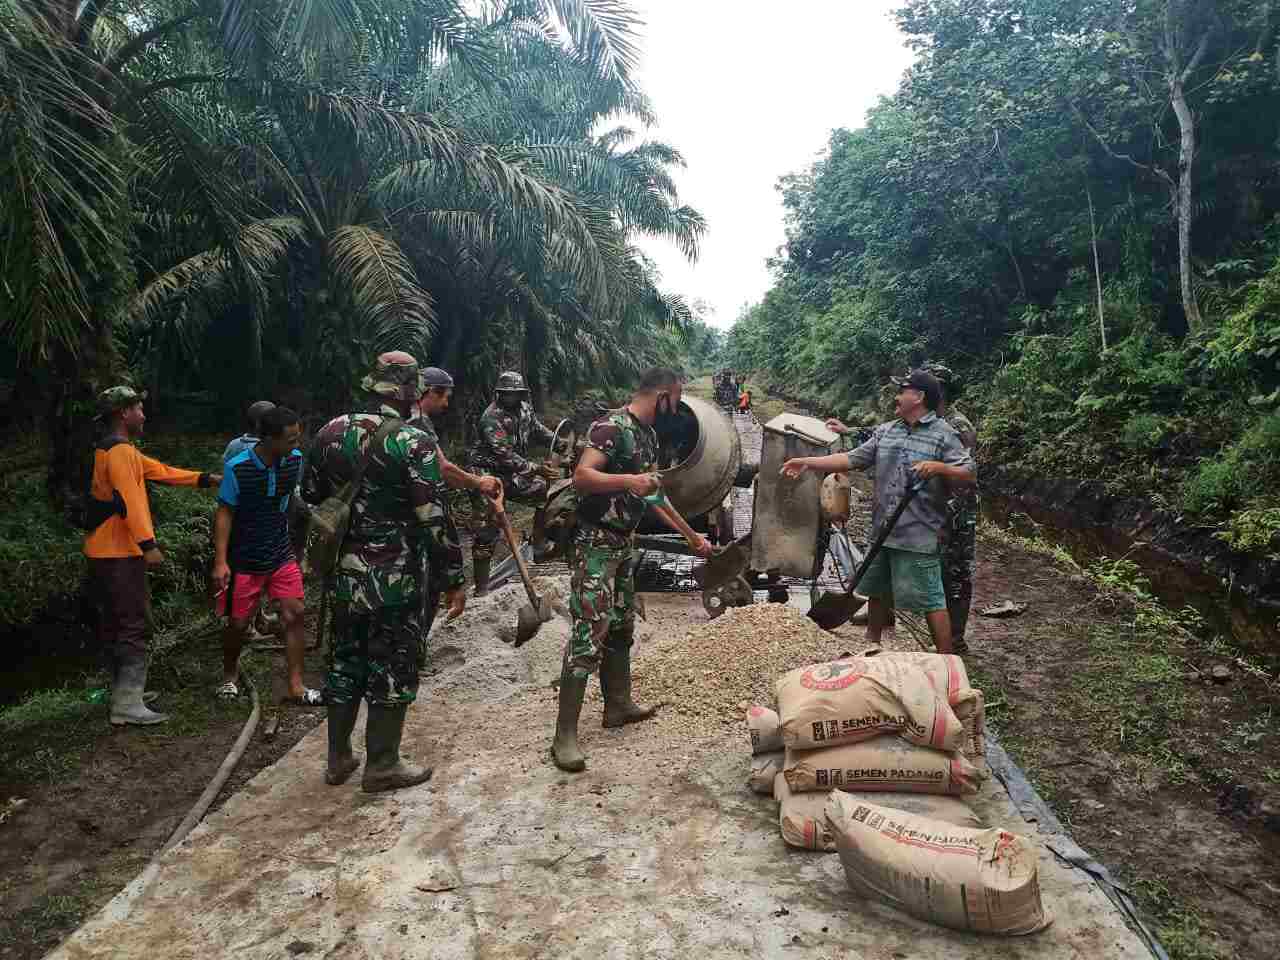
(53, 916)
(1133, 697)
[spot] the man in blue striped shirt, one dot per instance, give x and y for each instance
(917, 447)
(253, 551)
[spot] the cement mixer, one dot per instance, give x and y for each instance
(797, 528)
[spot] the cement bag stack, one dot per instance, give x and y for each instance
(985, 881)
(877, 724)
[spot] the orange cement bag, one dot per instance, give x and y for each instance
(883, 764)
(764, 768)
(802, 816)
(985, 881)
(762, 725)
(846, 701)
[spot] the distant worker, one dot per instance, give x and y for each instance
(744, 401)
(501, 449)
(251, 436)
(960, 534)
(434, 402)
(916, 447)
(123, 545)
(378, 582)
(253, 552)
(615, 483)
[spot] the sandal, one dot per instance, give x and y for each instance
(309, 698)
(228, 691)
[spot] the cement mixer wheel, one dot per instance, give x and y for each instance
(735, 593)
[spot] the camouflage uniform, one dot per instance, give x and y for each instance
(603, 588)
(397, 519)
(434, 569)
(959, 541)
(502, 451)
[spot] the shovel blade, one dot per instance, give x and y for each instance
(835, 609)
(529, 620)
(528, 623)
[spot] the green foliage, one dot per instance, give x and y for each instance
(1143, 432)
(1254, 530)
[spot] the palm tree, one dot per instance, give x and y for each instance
(96, 102)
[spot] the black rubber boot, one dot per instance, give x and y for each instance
(342, 762)
(615, 684)
(383, 768)
(565, 751)
(480, 570)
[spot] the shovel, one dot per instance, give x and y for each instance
(537, 611)
(836, 609)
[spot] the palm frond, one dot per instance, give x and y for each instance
(256, 253)
(603, 33)
(383, 288)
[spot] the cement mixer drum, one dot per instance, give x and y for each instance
(701, 456)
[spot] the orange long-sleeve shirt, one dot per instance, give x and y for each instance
(126, 469)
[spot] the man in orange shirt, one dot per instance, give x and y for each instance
(122, 547)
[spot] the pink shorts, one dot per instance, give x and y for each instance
(283, 583)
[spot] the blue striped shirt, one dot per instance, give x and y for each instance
(259, 497)
(892, 449)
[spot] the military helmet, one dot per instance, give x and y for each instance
(395, 376)
(511, 382)
(117, 398)
(945, 375)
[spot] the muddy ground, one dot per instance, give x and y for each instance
(1165, 775)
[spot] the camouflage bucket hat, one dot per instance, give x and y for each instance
(395, 376)
(117, 398)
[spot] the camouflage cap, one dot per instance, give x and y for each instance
(511, 382)
(117, 398)
(395, 376)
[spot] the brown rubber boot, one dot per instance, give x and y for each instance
(615, 684)
(564, 748)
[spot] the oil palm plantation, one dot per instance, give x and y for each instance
(283, 160)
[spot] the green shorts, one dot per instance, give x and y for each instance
(909, 581)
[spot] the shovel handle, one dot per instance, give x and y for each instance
(505, 523)
(907, 497)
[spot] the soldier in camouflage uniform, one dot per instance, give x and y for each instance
(397, 517)
(502, 450)
(437, 394)
(960, 534)
(614, 484)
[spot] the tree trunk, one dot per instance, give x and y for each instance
(1186, 158)
(1097, 266)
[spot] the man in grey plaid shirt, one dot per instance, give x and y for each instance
(916, 447)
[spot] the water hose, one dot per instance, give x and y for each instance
(122, 905)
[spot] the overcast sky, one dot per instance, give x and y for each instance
(749, 92)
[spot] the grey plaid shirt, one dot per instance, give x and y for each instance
(892, 449)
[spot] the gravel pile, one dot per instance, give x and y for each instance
(712, 673)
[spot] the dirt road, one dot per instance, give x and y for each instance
(656, 851)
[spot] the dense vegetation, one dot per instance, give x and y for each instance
(1076, 204)
(250, 197)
